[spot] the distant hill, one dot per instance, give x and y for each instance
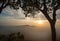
(9, 29)
(30, 32)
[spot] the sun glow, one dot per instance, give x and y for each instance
(35, 22)
(40, 21)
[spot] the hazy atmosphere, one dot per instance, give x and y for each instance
(37, 28)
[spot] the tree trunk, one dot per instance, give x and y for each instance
(53, 31)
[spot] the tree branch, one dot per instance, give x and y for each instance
(54, 12)
(44, 11)
(3, 6)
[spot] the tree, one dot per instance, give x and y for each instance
(15, 37)
(13, 3)
(45, 6)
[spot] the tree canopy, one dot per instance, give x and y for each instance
(30, 6)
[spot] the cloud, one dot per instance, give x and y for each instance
(9, 12)
(58, 14)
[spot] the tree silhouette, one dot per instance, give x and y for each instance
(13, 3)
(30, 6)
(3, 38)
(47, 7)
(16, 37)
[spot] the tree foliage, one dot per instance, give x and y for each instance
(31, 6)
(12, 37)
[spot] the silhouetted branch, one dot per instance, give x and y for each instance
(4, 4)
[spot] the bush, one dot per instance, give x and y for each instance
(12, 37)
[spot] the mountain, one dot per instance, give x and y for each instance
(30, 32)
(10, 29)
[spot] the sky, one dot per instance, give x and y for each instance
(10, 16)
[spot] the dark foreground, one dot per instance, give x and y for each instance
(15, 37)
(12, 37)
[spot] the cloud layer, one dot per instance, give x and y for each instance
(19, 14)
(11, 13)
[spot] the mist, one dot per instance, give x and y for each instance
(31, 32)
